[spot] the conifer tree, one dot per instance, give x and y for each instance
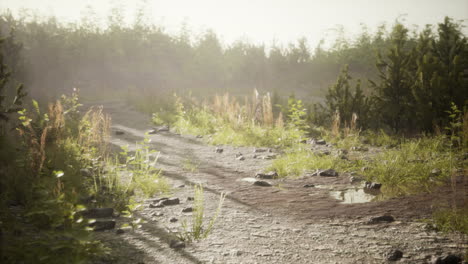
(340, 98)
(452, 51)
(393, 90)
(426, 89)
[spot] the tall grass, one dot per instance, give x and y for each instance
(199, 228)
(227, 121)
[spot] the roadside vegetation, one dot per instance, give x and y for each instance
(418, 125)
(410, 107)
(56, 164)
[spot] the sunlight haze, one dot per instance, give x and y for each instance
(260, 21)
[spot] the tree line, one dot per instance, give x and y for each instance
(409, 77)
(418, 78)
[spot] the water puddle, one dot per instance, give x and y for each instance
(357, 195)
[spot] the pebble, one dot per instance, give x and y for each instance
(177, 244)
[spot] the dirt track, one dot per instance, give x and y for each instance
(284, 223)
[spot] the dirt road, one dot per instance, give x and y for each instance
(282, 223)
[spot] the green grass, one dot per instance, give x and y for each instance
(145, 177)
(221, 132)
(408, 168)
(451, 220)
(296, 161)
(199, 228)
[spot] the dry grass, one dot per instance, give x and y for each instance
(335, 128)
(94, 130)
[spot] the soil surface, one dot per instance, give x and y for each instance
(282, 223)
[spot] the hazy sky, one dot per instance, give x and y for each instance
(260, 21)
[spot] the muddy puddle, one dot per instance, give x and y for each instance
(356, 195)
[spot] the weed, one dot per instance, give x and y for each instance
(199, 229)
(142, 171)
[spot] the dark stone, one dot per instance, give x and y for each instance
(120, 231)
(328, 173)
(190, 199)
(159, 199)
(102, 225)
(372, 185)
(170, 201)
(187, 210)
(118, 132)
(394, 255)
(447, 259)
(262, 183)
(268, 175)
(320, 142)
(98, 212)
(381, 219)
(308, 186)
(173, 220)
(181, 186)
(177, 244)
(219, 150)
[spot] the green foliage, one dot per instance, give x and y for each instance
(197, 122)
(168, 112)
(60, 162)
(7, 108)
(415, 166)
(141, 166)
(393, 94)
(340, 99)
(297, 115)
(297, 161)
(451, 220)
(379, 139)
(199, 228)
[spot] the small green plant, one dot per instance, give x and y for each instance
(199, 229)
(190, 166)
(144, 176)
